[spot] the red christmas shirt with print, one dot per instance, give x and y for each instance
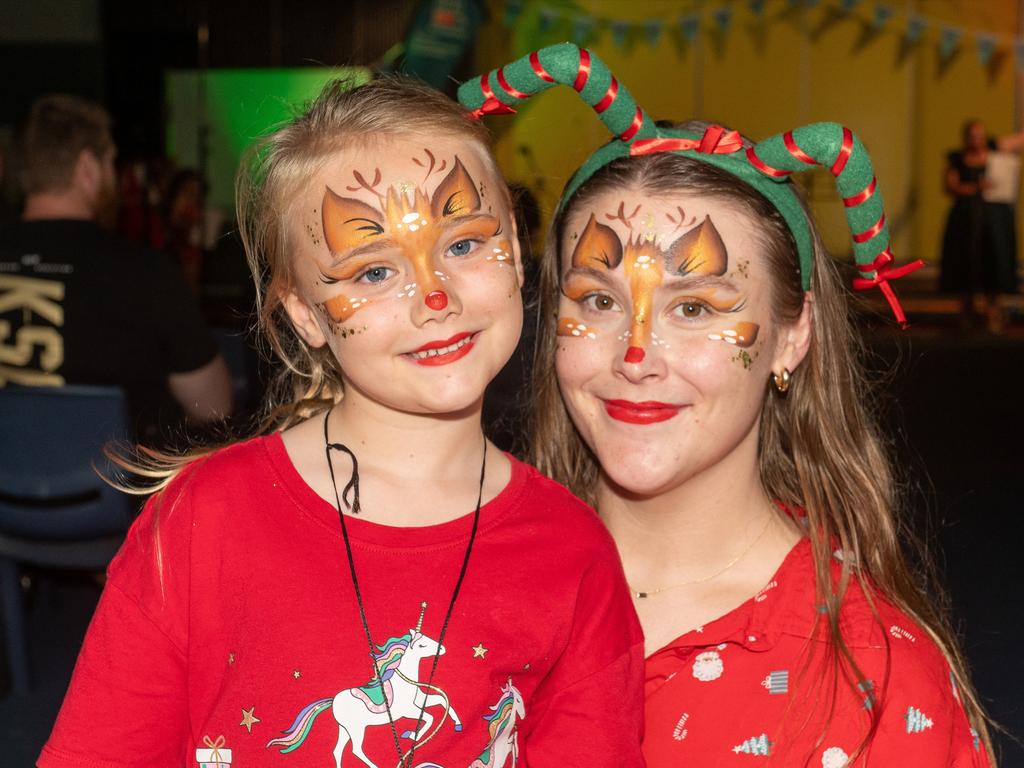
(752, 687)
(254, 624)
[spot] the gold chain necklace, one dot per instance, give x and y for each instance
(645, 593)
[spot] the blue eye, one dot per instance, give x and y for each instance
(375, 275)
(462, 247)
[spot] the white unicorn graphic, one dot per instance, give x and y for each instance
(396, 686)
(503, 743)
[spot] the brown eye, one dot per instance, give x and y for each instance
(691, 309)
(601, 302)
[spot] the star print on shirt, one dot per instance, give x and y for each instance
(479, 652)
(249, 719)
(296, 674)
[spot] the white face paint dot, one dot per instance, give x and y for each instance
(575, 332)
(409, 218)
(591, 336)
(729, 332)
(714, 337)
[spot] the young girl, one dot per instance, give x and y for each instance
(372, 583)
(719, 420)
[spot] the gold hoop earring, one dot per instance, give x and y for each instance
(781, 381)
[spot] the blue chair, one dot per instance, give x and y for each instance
(55, 510)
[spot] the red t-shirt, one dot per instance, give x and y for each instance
(250, 646)
(753, 687)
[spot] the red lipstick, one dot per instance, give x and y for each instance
(444, 351)
(647, 412)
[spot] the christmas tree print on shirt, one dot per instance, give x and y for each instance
(917, 721)
(759, 745)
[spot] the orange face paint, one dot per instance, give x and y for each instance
(341, 308)
(570, 326)
(642, 264)
(412, 223)
(699, 252)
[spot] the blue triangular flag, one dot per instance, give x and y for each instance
(690, 26)
(916, 26)
(547, 18)
(582, 26)
(653, 29)
(513, 8)
(986, 46)
(881, 16)
(620, 31)
(723, 17)
(756, 7)
(949, 41)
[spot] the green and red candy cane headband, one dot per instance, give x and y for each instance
(766, 166)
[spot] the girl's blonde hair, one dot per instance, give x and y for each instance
(269, 181)
(820, 448)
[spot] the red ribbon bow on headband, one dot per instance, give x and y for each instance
(884, 272)
(715, 141)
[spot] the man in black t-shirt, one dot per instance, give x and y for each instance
(81, 306)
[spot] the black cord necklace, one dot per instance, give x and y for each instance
(404, 758)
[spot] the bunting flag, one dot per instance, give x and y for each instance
(881, 17)
(567, 19)
(723, 18)
(547, 18)
(949, 41)
(513, 10)
(986, 46)
(690, 26)
(620, 32)
(652, 31)
(916, 26)
(582, 28)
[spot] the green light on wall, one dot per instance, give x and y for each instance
(241, 105)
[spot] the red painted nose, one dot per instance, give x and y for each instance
(635, 355)
(436, 299)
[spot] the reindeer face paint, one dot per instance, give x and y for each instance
(664, 343)
(402, 276)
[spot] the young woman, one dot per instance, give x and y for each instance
(372, 582)
(710, 403)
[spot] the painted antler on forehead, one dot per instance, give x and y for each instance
(766, 166)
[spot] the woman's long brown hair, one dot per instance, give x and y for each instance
(820, 448)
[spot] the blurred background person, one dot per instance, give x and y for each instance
(79, 305)
(979, 247)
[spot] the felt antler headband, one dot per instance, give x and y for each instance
(766, 166)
